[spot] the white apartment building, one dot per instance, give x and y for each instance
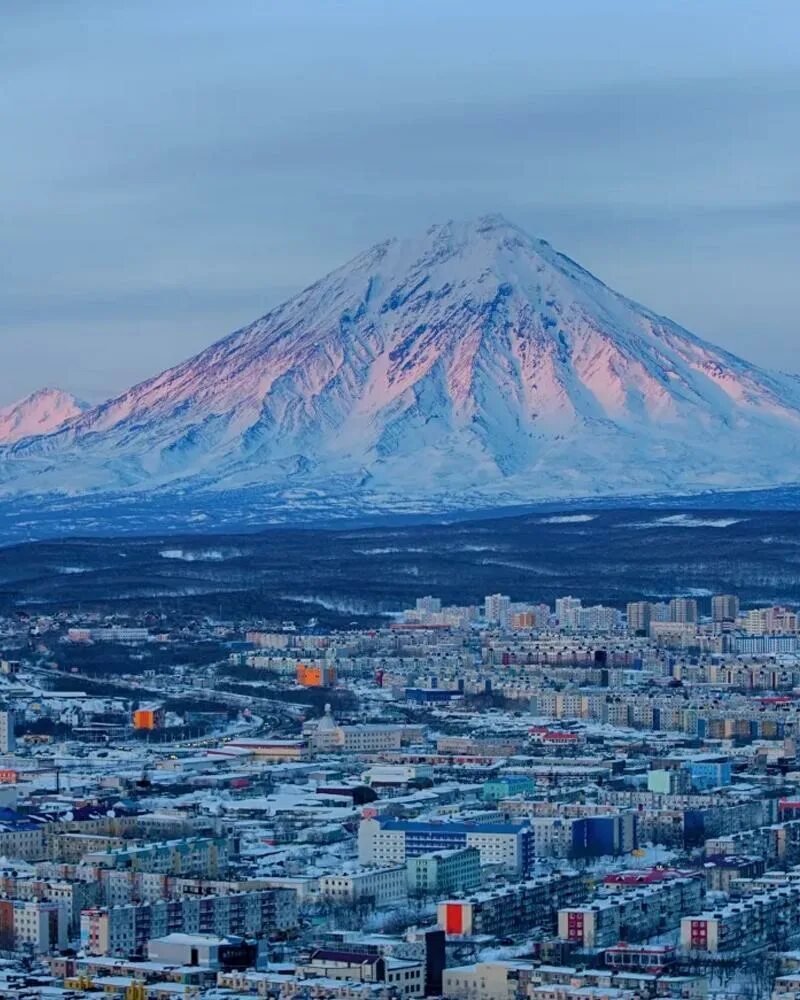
(385, 841)
(377, 886)
(497, 608)
(567, 609)
(597, 618)
(39, 926)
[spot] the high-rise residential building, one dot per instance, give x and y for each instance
(36, 925)
(770, 621)
(429, 605)
(497, 608)
(523, 620)
(781, 621)
(8, 741)
(527, 616)
(659, 612)
(754, 622)
(639, 616)
(683, 610)
(597, 618)
(724, 607)
(567, 609)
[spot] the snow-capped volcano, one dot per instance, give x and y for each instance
(473, 365)
(43, 412)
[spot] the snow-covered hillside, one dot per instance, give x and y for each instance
(474, 365)
(42, 412)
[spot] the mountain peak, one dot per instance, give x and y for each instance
(41, 412)
(471, 365)
(487, 229)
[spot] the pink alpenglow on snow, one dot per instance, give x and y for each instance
(42, 412)
(474, 365)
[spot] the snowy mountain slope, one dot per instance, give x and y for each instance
(472, 365)
(42, 412)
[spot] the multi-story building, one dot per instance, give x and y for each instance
(32, 925)
(683, 610)
(760, 919)
(21, 838)
(778, 842)
(724, 607)
(125, 930)
(148, 717)
(639, 616)
(385, 841)
(8, 742)
(400, 977)
(567, 609)
(631, 916)
(327, 735)
(71, 895)
(120, 886)
(777, 621)
(456, 870)
(497, 609)
(315, 675)
(496, 980)
(520, 621)
(659, 611)
(509, 909)
(507, 785)
(673, 635)
(584, 836)
(513, 978)
(669, 781)
(114, 633)
(377, 886)
(709, 771)
(597, 618)
(206, 857)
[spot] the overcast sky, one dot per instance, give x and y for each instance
(170, 169)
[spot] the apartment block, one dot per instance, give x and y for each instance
(509, 909)
(376, 886)
(125, 930)
(455, 870)
(767, 918)
(383, 841)
(631, 916)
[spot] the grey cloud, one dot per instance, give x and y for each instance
(175, 170)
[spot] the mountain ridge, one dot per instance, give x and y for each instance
(474, 364)
(41, 412)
